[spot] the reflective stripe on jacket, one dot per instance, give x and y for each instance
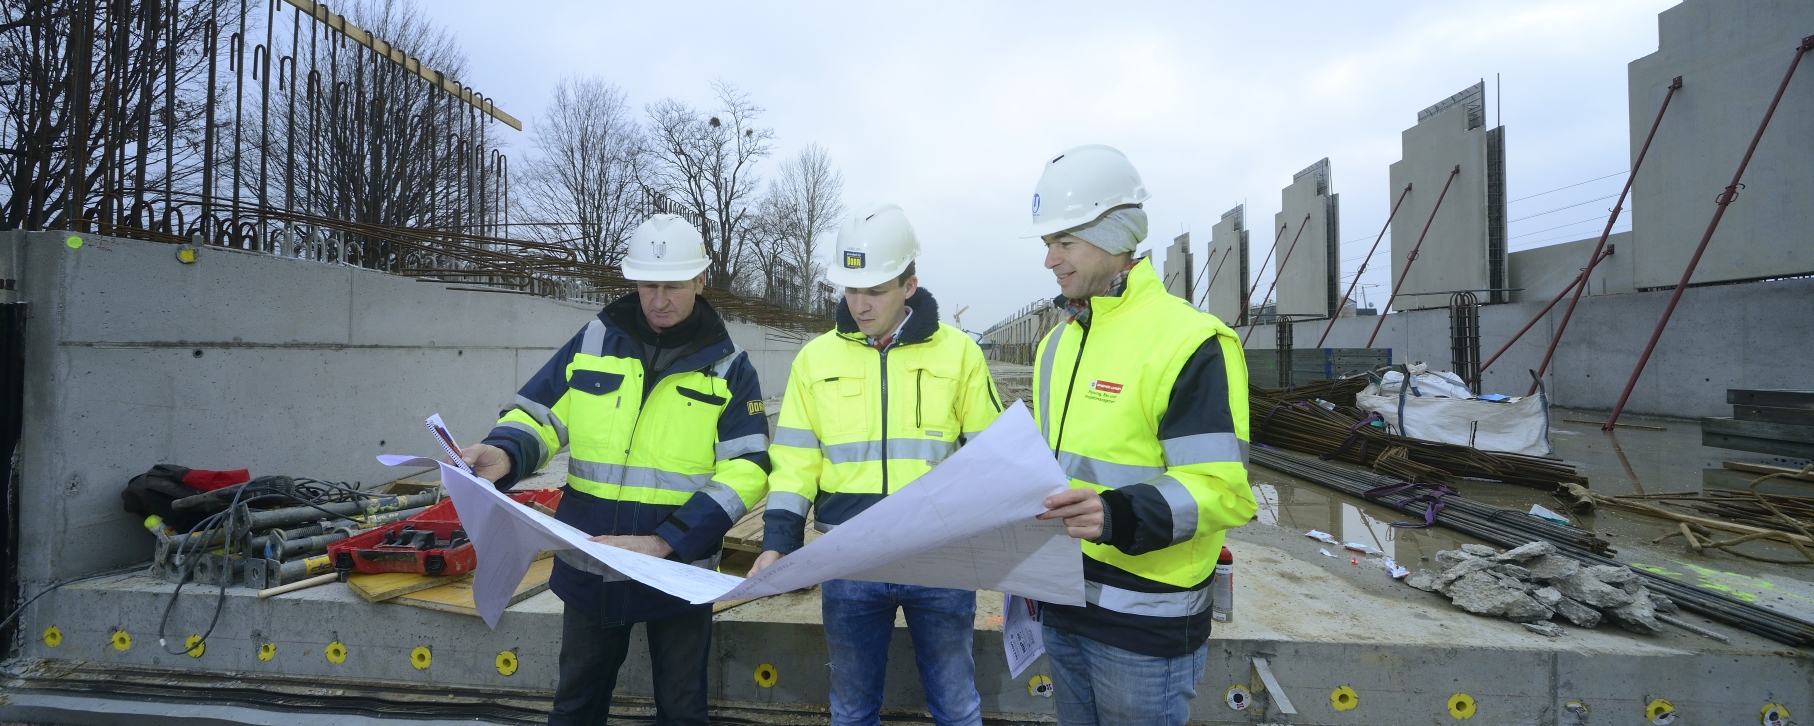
(682, 457)
(858, 423)
(1148, 405)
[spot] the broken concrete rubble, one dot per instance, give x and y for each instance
(1585, 587)
(1550, 567)
(1534, 583)
(1638, 616)
(1581, 615)
(1529, 551)
(1550, 629)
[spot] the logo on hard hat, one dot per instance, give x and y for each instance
(1036, 203)
(659, 250)
(853, 260)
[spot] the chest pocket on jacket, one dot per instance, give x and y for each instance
(934, 403)
(678, 431)
(598, 415)
(842, 407)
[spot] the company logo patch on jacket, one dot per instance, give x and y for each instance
(1103, 391)
(854, 260)
(756, 408)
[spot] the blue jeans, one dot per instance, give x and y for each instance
(1102, 684)
(591, 654)
(859, 624)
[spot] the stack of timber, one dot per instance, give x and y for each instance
(1768, 422)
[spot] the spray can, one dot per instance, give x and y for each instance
(1222, 589)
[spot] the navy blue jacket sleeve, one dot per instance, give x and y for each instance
(1138, 518)
(530, 431)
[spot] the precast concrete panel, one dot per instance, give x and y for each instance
(1179, 267)
(1464, 248)
(1225, 288)
(1731, 57)
(1308, 264)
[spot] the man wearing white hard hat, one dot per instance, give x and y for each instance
(663, 417)
(1143, 400)
(870, 407)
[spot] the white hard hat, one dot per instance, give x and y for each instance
(1080, 185)
(874, 247)
(665, 248)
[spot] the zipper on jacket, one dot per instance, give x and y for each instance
(1064, 417)
(884, 354)
(919, 397)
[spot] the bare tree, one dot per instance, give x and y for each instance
(582, 189)
(794, 217)
(704, 163)
(816, 193)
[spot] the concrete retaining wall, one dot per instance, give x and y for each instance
(245, 360)
(1753, 335)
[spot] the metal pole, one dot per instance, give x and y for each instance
(1721, 202)
(1206, 260)
(1412, 258)
(1247, 299)
(1275, 276)
(1364, 263)
(1216, 274)
(1556, 337)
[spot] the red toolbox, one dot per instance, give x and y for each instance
(431, 543)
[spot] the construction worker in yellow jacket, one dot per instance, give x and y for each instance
(662, 414)
(869, 408)
(1143, 399)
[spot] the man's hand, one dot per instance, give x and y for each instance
(1081, 510)
(650, 545)
(488, 462)
(768, 557)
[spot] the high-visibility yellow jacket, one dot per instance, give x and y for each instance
(1147, 404)
(667, 437)
(858, 423)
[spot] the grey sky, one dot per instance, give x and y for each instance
(949, 110)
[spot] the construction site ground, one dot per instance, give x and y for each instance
(1320, 621)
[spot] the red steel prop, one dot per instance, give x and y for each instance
(1724, 200)
(1363, 265)
(1412, 258)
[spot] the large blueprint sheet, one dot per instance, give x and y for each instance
(967, 524)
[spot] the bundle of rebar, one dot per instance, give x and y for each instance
(1295, 419)
(1510, 528)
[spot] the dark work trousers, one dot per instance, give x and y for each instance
(591, 655)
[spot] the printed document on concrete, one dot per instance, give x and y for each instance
(1020, 634)
(967, 524)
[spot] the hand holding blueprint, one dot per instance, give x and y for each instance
(968, 524)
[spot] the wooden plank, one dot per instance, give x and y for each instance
(1759, 430)
(1762, 446)
(1782, 398)
(1766, 469)
(456, 597)
(1774, 414)
(386, 585)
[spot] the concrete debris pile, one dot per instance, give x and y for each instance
(1534, 583)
